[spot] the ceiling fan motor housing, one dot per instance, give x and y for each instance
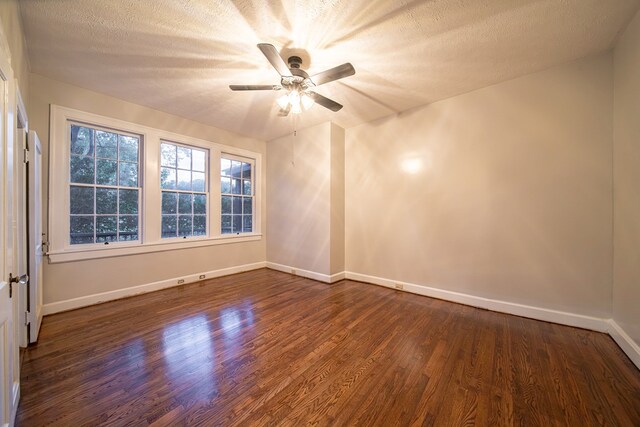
(295, 62)
(300, 79)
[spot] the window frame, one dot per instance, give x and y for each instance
(150, 240)
(207, 192)
(139, 188)
(234, 157)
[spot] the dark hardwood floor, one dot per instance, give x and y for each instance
(268, 348)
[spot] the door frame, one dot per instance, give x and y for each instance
(21, 178)
(35, 238)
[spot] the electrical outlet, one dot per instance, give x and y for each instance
(202, 276)
(399, 286)
(180, 281)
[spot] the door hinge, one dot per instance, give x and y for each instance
(26, 156)
(45, 244)
(26, 318)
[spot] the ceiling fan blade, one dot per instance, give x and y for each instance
(255, 87)
(274, 58)
(325, 102)
(335, 73)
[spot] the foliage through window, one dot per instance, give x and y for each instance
(107, 202)
(183, 180)
(104, 190)
(236, 188)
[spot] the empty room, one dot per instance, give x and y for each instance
(322, 212)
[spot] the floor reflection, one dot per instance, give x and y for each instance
(135, 354)
(189, 353)
(233, 319)
(236, 324)
(230, 321)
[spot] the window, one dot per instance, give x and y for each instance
(236, 184)
(119, 188)
(104, 188)
(184, 209)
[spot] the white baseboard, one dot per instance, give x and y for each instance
(338, 276)
(70, 304)
(609, 326)
(306, 273)
(548, 315)
(532, 312)
(625, 342)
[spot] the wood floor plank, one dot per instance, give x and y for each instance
(268, 348)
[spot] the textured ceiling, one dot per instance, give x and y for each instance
(179, 56)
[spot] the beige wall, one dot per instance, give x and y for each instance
(337, 199)
(305, 188)
(11, 22)
(507, 191)
(76, 279)
(511, 195)
(626, 238)
(299, 191)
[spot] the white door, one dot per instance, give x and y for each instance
(9, 360)
(34, 168)
(6, 314)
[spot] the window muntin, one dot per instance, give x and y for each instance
(183, 180)
(237, 195)
(149, 192)
(104, 187)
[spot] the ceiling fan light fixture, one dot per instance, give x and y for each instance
(296, 108)
(283, 101)
(307, 101)
(296, 100)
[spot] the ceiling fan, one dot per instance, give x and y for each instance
(297, 83)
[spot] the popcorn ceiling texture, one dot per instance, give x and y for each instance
(179, 56)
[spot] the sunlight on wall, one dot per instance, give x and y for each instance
(474, 195)
(412, 165)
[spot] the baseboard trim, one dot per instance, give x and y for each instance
(625, 342)
(338, 276)
(532, 312)
(306, 273)
(71, 304)
(548, 315)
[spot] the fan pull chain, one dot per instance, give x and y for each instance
(293, 140)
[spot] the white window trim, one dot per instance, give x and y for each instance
(207, 192)
(140, 187)
(150, 209)
(231, 156)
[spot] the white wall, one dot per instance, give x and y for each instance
(298, 189)
(337, 199)
(11, 22)
(305, 226)
(626, 237)
(508, 192)
(65, 281)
